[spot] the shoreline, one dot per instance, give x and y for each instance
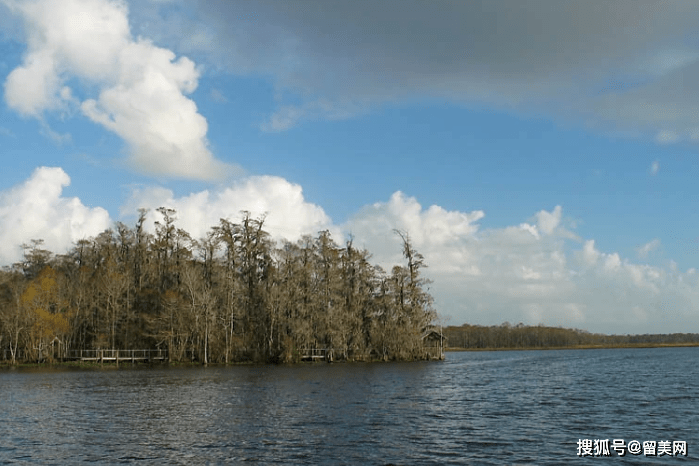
(576, 347)
(94, 365)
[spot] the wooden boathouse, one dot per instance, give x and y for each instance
(433, 343)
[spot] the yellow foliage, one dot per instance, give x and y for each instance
(47, 325)
(39, 299)
(42, 289)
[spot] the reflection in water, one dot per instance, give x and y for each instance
(473, 408)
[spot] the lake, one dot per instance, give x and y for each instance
(490, 408)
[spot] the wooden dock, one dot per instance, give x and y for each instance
(118, 355)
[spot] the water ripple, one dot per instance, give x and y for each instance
(475, 408)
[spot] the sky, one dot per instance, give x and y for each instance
(542, 155)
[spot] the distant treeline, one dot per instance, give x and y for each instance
(526, 336)
(234, 295)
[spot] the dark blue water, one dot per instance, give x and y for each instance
(474, 408)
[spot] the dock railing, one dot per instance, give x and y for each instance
(117, 355)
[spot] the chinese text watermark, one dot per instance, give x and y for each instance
(602, 447)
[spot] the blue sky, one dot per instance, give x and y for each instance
(542, 155)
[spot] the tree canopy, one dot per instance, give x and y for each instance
(233, 295)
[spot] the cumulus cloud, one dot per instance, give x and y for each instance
(528, 273)
(36, 209)
(548, 221)
(141, 88)
(287, 214)
(435, 230)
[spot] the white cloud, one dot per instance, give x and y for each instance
(549, 221)
(288, 215)
(589, 253)
(647, 248)
(36, 209)
(532, 229)
(142, 88)
(33, 87)
(528, 273)
(612, 262)
(433, 230)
